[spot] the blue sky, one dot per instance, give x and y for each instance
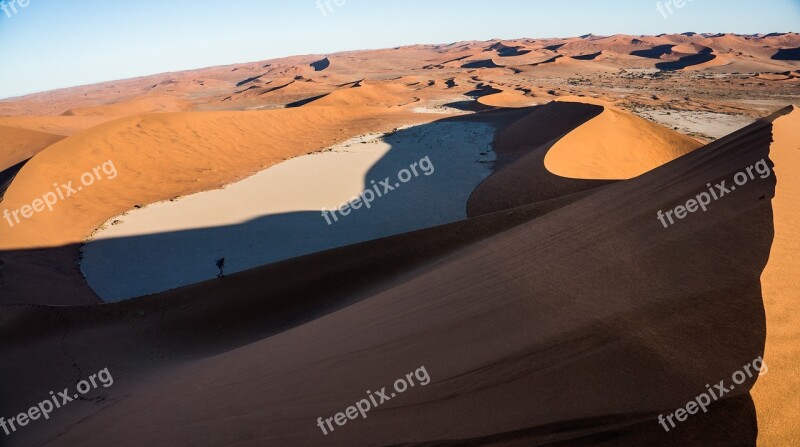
(59, 43)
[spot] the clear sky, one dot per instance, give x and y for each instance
(50, 44)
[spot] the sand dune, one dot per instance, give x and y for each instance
(549, 304)
(158, 157)
(154, 157)
(509, 99)
(56, 125)
(275, 215)
(17, 145)
(144, 105)
(634, 147)
(776, 399)
(490, 312)
(239, 87)
(367, 94)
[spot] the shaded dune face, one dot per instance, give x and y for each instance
(17, 145)
(578, 317)
(521, 177)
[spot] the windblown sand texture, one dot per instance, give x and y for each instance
(548, 303)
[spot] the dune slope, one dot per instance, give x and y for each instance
(155, 157)
(615, 145)
(778, 399)
(579, 322)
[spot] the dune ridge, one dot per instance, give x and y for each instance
(508, 270)
(560, 302)
(633, 147)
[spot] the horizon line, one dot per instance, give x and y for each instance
(188, 69)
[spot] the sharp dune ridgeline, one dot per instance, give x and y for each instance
(557, 307)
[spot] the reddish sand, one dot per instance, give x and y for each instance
(559, 311)
(17, 145)
(490, 307)
(778, 399)
(614, 146)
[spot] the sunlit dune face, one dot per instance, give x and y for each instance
(615, 146)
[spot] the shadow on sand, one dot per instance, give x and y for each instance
(566, 322)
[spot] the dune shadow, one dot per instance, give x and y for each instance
(587, 57)
(487, 63)
(563, 324)
(423, 180)
(705, 55)
(469, 106)
(787, 54)
(303, 102)
(653, 53)
(249, 80)
(588, 319)
(7, 176)
(554, 47)
(504, 51)
(321, 64)
(481, 90)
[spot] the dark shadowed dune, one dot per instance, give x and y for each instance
(249, 80)
(303, 102)
(705, 55)
(787, 54)
(521, 177)
(7, 176)
(653, 53)
(488, 63)
(587, 57)
(579, 319)
(321, 64)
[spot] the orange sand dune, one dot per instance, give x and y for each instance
(508, 98)
(615, 145)
(778, 399)
(578, 322)
(367, 94)
(150, 104)
(718, 61)
(534, 57)
(250, 86)
(157, 157)
(560, 312)
(688, 48)
(296, 90)
(56, 125)
(17, 145)
(520, 177)
(166, 155)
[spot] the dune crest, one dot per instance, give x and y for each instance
(615, 146)
(148, 104)
(777, 399)
(18, 144)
